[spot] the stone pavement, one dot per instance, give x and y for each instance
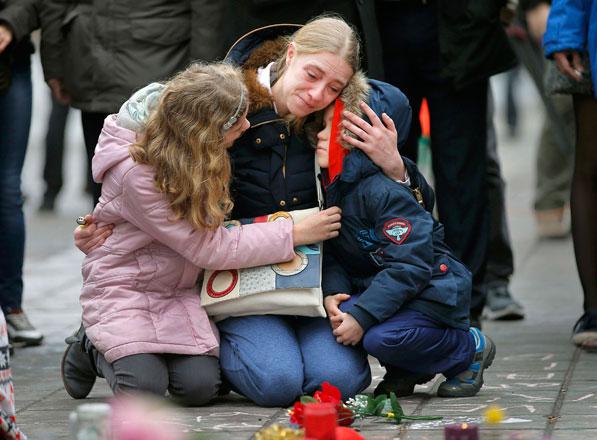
(547, 387)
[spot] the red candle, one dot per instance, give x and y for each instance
(461, 431)
(320, 420)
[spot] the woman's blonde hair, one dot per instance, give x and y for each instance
(325, 33)
(184, 141)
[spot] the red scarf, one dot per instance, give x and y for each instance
(336, 151)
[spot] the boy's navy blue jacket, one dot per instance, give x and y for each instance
(390, 249)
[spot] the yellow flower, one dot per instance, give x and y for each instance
(494, 415)
(390, 415)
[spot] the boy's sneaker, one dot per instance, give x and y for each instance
(469, 382)
(77, 367)
(584, 333)
(20, 330)
(400, 382)
(500, 305)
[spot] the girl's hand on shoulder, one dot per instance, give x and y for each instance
(89, 237)
(378, 140)
(320, 226)
(349, 332)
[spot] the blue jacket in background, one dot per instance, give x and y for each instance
(390, 249)
(572, 25)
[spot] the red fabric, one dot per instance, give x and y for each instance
(424, 119)
(336, 151)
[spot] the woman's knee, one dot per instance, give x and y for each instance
(271, 387)
(350, 380)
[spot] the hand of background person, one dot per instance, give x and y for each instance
(318, 227)
(331, 304)
(349, 332)
(536, 19)
(58, 91)
(5, 37)
(569, 62)
(90, 237)
(378, 140)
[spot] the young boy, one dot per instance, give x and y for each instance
(389, 279)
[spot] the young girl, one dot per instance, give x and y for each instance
(166, 192)
(401, 292)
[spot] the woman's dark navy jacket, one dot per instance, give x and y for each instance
(273, 169)
(390, 249)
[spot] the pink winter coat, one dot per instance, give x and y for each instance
(139, 289)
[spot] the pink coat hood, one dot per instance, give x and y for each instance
(140, 290)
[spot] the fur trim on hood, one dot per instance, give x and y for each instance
(267, 52)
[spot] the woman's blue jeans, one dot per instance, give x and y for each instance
(15, 119)
(272, 360)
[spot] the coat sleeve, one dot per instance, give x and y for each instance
(52, 42)
(406, 232)
(237, 247)
(22, 17)
(334, 278)
(567, 26)
(207, 18)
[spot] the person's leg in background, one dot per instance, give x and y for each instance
(54, 154)
(500, 260)
(459, 158)
(584, 217)
(554, 165)
(92, 127)
(15, 119)
(409, 31)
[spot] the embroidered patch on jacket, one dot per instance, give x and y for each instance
(397, 230)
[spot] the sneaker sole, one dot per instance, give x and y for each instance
(586, 340)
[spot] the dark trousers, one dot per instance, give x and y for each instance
(500, 259)
(92, 127)
(190, 380)
(415, 343)
(458, 131)
(55, 149)
(15, 118)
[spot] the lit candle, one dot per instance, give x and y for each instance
(320, 420)
(461, 431)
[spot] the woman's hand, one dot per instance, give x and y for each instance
(349, 332)
(378, 140)
(570, 64)
(89, 237)
(318, 227)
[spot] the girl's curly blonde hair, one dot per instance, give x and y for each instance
(184, 141)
